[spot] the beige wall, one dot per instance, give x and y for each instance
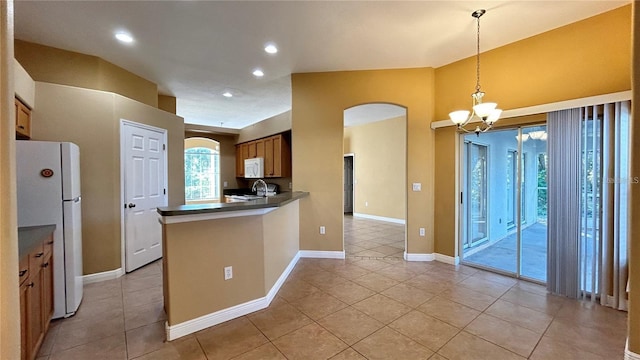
(195, 254)
(281, 241)
(380, 166)
(24, 85)
(227, 156)
(91, 119)
(586, 58)
(271, 126)
(564, 60)
(259, 248)
(9, 301)
(53, 65)
(167, 103)
(634, 236)
(319, 100)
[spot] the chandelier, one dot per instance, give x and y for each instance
(485, 112)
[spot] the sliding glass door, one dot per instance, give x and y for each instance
(503, 201)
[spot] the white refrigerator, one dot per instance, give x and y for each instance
(48, 181)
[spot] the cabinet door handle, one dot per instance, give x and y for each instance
(39, 255)
(22, 272)
(20, 127)
(45, 265)
(31, 285)
(50, 242)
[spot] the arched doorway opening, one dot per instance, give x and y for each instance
(375, 181)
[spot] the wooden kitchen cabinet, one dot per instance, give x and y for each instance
(23, 120)
(253, 150)
(47, 283)
(276, 153)
(259, 148)
(279, 155)
(36, 296)
(239, 162)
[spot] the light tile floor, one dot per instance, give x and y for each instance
(373, 239)
(351, 309)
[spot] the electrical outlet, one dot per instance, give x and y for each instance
(421, 231)
(366, 203)
(225, 184)
(322, 230)
(417, 186)
(228, 272)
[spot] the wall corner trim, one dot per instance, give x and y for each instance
(218, 317)
(379, 218)
(628, 354)
(102, 276)
(322, 254)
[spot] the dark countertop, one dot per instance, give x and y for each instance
(266, 202)
(30, 236)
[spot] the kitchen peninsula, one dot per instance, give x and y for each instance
(224, 260)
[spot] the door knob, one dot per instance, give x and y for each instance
(131, 205)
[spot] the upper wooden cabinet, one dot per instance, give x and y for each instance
(276, 153)
(23, 120)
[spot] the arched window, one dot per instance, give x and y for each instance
(201, 170)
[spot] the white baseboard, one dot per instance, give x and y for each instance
(447, 259)
(379, 218)
(321, 254)
(431, 257)
(102, 276)
(418, 257)
(628, 354)
(189, 327)
(283, 277)
(623, 305)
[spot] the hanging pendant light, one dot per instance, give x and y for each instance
(486, 112)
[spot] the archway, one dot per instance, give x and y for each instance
(374, 179)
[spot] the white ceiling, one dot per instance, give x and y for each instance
(195, 50)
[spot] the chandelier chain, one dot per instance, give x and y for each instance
(478, 56)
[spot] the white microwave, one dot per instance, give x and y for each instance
(254, 168)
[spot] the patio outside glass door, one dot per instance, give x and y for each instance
(503, 201)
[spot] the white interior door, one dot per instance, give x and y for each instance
(144, 191)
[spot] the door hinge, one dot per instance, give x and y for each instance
(164, 191)
(461, 197)
(164, 147)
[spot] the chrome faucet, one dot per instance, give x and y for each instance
(255, 187)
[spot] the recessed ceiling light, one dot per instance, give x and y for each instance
(258, 73)
(271, 48)
(124, 37)
(227, 94)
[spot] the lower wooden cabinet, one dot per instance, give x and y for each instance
(36, 298)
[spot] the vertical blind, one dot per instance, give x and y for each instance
(589, 181)
(564, 148)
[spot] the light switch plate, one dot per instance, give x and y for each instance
(417, 186)
(225, 184)
(228, 272)
(322, 230)
(421, 231)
